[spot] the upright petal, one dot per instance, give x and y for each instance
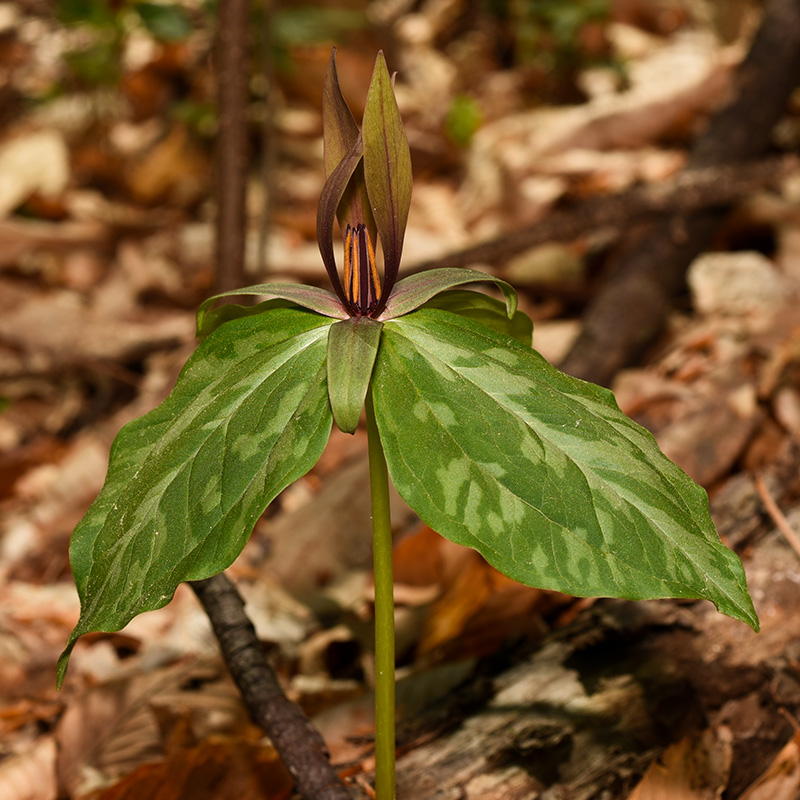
(339, 134)
(329, 201)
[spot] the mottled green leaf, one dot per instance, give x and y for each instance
(411, 292)
(486, 310)
(387, 168)
(187, 482)
(352, 347)
(540, 472)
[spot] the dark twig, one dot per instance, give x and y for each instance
(632, 308)
(299, 744)
(268, 153)
(233, 71)
(702, 188)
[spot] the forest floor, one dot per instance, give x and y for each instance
(505, 691)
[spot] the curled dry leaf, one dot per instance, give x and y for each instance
(30, 775)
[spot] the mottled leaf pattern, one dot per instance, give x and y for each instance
(540, 472)
(487, 311)
(186, 482)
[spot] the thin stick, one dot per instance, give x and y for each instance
(233, 72)
(781, 523)
(384, 612)
(298, 743)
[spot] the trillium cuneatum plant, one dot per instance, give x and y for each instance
(491, 446)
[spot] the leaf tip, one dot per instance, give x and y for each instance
(63, 662)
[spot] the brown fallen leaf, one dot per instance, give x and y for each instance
(20, 237)
(216, 768)
(321, 551)
(695, 768)
(460, 602)
(110, 729)
(175, 170)
(52, 329)
(30, 775)
(37, 161)
(417, 558)
(707, 442)
(477, 608)
(781, 781)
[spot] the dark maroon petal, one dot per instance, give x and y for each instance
(329, 201)
(339, 134)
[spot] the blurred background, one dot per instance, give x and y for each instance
(520, 114)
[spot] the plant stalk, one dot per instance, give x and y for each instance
(384, 611)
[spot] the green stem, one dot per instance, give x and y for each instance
(384, 611)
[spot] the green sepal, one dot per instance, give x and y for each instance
(310, 297)
(541, 473)
(415, 290)
(387, 169)
(486, 310)
(352, 347)
(186, 483)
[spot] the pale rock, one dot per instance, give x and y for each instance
(736, 283)
(550, 263)
(35, 162)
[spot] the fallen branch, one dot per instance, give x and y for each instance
(298, 743)
(632, 307)
(692, 190)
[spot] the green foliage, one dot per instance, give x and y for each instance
(98, 62)
(488, 443)
(352, 348)
(308, 25)
(548, 32)
(95, 13)
(463, 119)
(186, 482)
(312, 24)
(167, 22)
(486, 310)
(540, 472)
(491, 445)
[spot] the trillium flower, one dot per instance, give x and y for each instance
(368, 189)
(491, 446)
